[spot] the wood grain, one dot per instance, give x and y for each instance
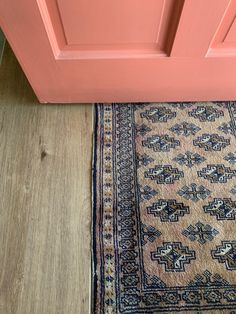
(45, 200)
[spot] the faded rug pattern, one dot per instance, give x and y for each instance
(165, 208)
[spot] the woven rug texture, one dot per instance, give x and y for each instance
(164, 196)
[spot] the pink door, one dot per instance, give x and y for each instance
(124, 50)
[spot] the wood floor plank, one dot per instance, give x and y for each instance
(45, 200)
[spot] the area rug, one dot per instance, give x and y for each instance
(164, 208)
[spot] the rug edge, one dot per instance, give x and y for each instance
(94, 275)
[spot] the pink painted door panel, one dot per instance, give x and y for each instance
(86, 24)
(124, 50)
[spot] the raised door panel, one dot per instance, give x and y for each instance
(89, 28)
(198, 24)
(224, 41)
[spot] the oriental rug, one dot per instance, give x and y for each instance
(164, 199)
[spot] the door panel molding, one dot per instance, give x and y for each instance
(165, 29)
(198, 23)
(224, 41)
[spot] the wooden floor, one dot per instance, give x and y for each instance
(45, 200)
